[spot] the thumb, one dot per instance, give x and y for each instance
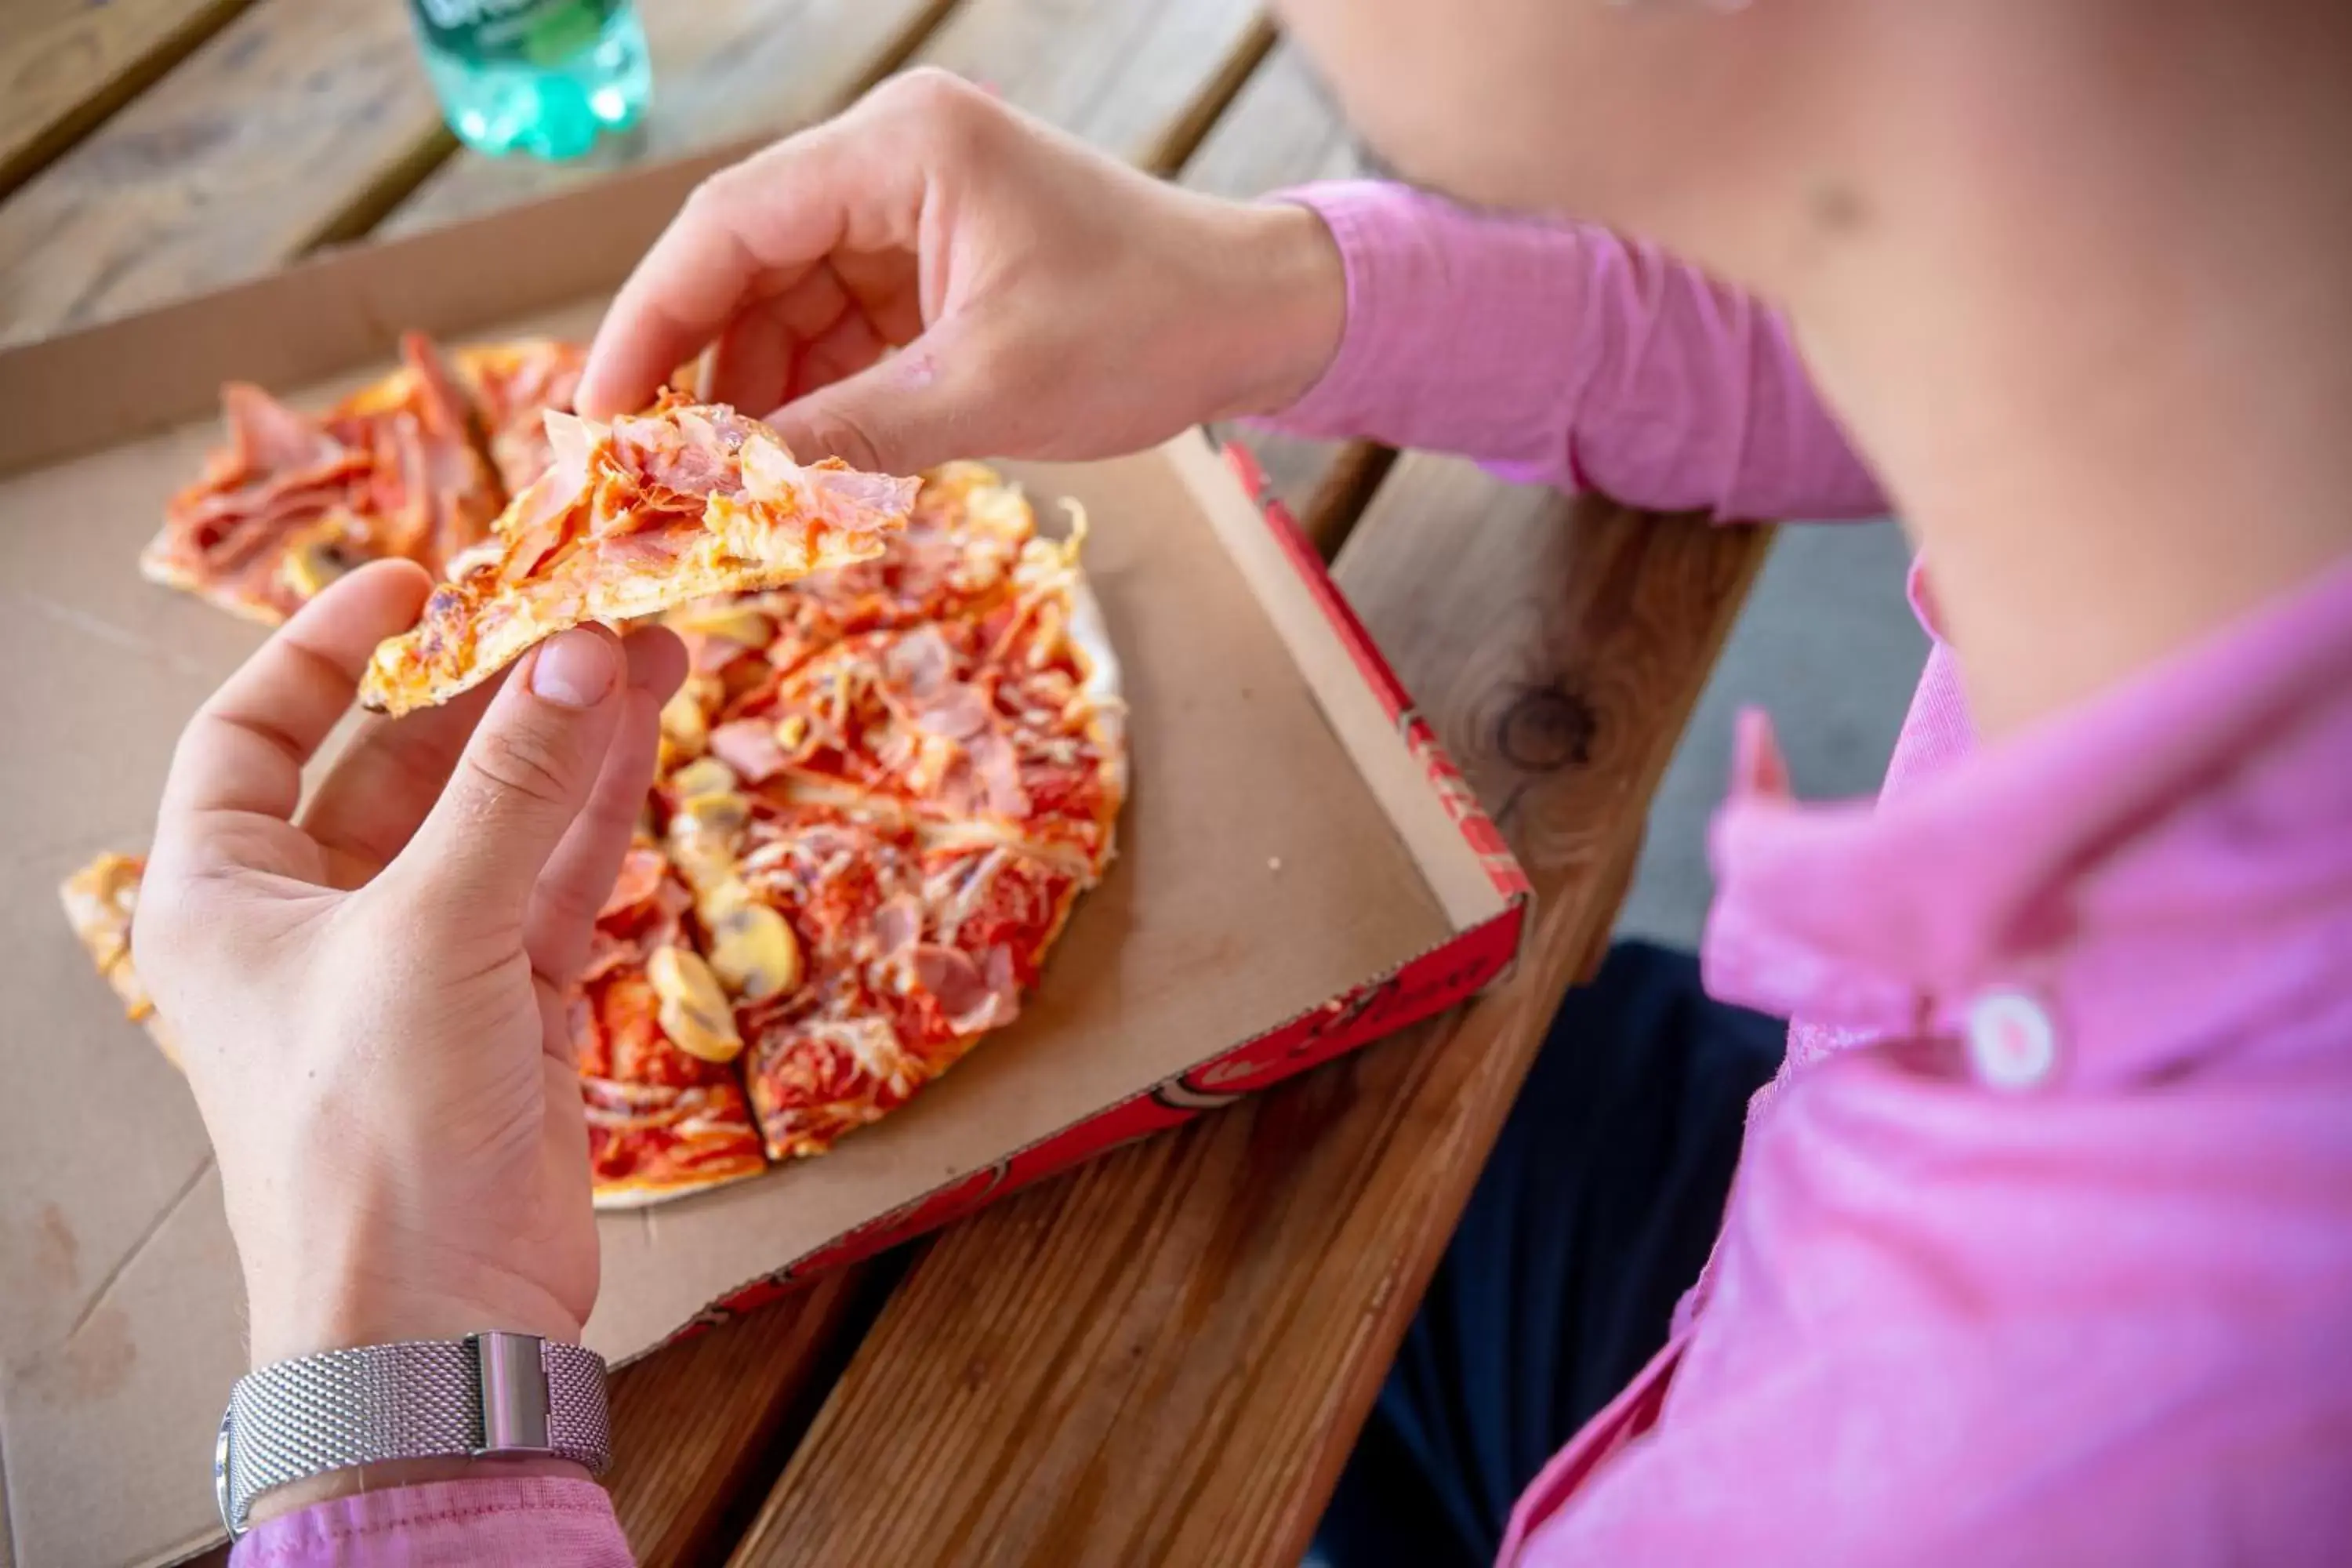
(525, 773)
(905, 412)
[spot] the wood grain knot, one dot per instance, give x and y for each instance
(1544, 728)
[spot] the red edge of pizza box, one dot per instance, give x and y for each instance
(1301, 869)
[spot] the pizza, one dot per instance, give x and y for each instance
(883, 790)
(415, 464)
(511, 384)
(918, 805)
(653, 1035)
(916, 949)
(632, 518)
(955, 559)
(294, 500)
(99, 900)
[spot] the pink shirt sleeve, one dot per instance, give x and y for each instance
(1558, 353)
(526, 1522)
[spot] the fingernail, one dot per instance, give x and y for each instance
(575, 669)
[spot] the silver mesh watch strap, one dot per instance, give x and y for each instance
(485, 1394)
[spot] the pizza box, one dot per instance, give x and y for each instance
(1300, 869)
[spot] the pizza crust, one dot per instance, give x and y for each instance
(405, 675)
(99, 900)
(1103, 688)
(1089, 631)
(158, 568)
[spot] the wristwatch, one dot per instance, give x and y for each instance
(485, 1397)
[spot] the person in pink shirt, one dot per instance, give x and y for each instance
(2040, 1246)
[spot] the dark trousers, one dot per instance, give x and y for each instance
(1594, 1214)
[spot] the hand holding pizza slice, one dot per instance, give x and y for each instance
(631, 518)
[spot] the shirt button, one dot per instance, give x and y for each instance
(2013, 1044)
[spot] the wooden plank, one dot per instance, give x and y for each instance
(229, 166)
(1345, 481)
(65, 65)
(702, 1423)
(1133, 76)
(738, 69)
(723, 70)
(1164, 1357)
(1284, 129)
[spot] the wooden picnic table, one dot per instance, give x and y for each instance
(1162, 1356)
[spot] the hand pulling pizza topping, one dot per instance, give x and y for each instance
(693, 1012)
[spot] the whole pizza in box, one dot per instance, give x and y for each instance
(895, 765)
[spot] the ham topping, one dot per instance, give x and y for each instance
(974, 998)
(749, 746)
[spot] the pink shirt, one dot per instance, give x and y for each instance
(538, 1521)
(2059, 1267)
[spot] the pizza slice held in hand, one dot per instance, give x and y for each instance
(642, 515)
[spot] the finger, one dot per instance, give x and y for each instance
(368, 809)
(919, 407)
(365, 810)
(523, 777)
(762, 357)
(888, 289)
(245, 749)
(843, 350)
(774, 213)
(580, 874)
(657, 661)
(751, 359)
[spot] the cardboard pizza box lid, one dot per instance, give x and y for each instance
(1299, 870)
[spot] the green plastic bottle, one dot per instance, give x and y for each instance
(543, 76)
